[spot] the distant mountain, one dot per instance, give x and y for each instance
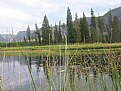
(20, 35)
(115, 12)
(8, 37)
(2, 40)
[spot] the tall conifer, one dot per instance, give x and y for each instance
(56, 34)
(28, 34)
(101, 27)
(110, 26)
(59, 34)
(38, 33)
(46, 32)
(116, 30)
(85, 37)
(77, 28)
(93, 27)
(71, 31)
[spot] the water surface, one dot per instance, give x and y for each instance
(16, 77)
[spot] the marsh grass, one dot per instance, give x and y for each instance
(83, 48)
(70, 74)
(76, 74)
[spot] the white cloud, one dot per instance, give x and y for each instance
(27, 2)
(13, 18)
(20, 13)
(43, 5)
(7, 13)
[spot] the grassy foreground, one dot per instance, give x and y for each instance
(54, 49)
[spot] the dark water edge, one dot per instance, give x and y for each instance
(15, 75)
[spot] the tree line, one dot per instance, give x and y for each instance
(77, 31)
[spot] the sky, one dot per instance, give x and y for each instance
(15, 15)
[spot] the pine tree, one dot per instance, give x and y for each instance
(93, 28)
(71, 31)
(46, 32)
(28, 34)
(101, 27)
(110, 26)
(85, 37)
(38, 33)
(56, 33)
(116, 30)
(25, 40)
(59, 34)
(82, 30)
(77, 28)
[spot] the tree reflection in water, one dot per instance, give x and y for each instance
(83, 71)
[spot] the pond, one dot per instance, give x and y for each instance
(54, 73)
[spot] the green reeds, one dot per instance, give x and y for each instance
(91, 83)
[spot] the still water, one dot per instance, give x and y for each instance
(16, 77)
